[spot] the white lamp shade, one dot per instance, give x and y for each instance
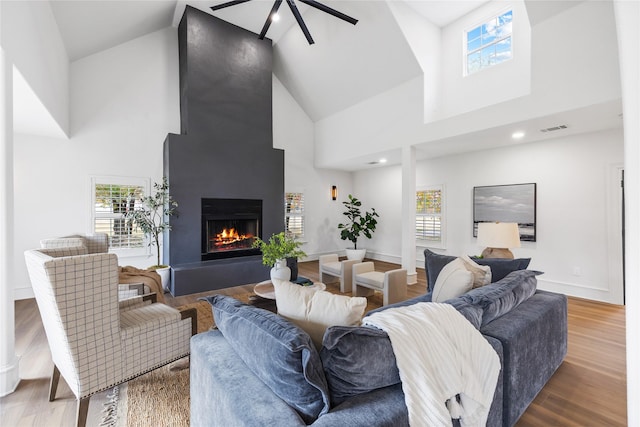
(498, 235)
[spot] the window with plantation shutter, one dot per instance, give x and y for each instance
(294, 214)
(112, 197)
(429, 214)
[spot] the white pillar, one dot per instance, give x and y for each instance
(627, 15)
(9, 375)
(409, 213)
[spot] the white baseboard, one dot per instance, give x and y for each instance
(9, 377)
(577, 290)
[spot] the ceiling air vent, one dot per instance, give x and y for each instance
(555, 128)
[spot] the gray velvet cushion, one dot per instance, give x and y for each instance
(503, 296)
(278, 352)
(433, 264)
(357, 360)
(500, 267)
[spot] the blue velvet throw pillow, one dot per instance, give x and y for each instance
(433, 264)
(500, 267)
(281, 354)
(500, 297)
(357, 360)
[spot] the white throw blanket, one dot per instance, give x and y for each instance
(440, 355)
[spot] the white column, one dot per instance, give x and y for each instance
(627, 15)
(9, 375)
(409, 213)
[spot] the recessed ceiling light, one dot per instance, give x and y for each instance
(517, 135)
(275, 17)
(383, 160)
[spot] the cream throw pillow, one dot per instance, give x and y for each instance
(481, 273)
(454, 280)
(314, 311)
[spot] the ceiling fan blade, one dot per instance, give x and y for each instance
(227, 4)
(330, 11)
(269, 20)
(303, 26)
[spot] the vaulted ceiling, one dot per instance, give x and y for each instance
(347, 64)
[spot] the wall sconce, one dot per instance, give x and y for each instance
(498, 237)
(334, 192)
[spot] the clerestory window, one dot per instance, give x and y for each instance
(490, 43)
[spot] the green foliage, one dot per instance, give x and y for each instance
(153, 215)
(358, 224)
(279, 246)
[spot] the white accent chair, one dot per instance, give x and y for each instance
(392, 284)
(96, 341)
(330, 265)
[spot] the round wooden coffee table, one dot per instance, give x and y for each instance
(265, 289)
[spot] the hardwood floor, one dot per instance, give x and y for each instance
(589, 389)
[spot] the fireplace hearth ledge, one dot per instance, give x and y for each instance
(197, 277)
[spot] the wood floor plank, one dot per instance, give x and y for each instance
(589, 388)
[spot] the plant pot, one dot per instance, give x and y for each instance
(280, 271)
(165, 276)
(357, 254)
(292, 263)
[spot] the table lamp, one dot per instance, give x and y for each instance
(498, 237)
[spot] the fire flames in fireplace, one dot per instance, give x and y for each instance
(229, 228)
(231, 237)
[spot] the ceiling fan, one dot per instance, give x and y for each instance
(296, 14)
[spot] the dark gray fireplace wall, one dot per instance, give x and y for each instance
(225, 149)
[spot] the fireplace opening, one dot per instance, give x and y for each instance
(229, 227)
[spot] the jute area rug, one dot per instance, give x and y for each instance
(161, 397)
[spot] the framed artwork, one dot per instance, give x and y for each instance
(506, 203)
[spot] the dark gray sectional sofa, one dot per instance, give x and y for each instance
(259, 370)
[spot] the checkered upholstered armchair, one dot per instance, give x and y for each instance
(96, 341)
(95, 243)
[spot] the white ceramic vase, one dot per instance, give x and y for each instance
(165, 275)
(357, 254)
(280, 271)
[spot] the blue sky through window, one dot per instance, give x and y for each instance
(489, 43)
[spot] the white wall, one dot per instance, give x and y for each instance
(124, 101)
(293, 132)
(502, 82)
(573, 190)
(31, 38)
(566, 74)
(628, 30)
(425, 41)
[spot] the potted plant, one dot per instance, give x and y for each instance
(357, 224)
(275, 252)
(152, 217)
